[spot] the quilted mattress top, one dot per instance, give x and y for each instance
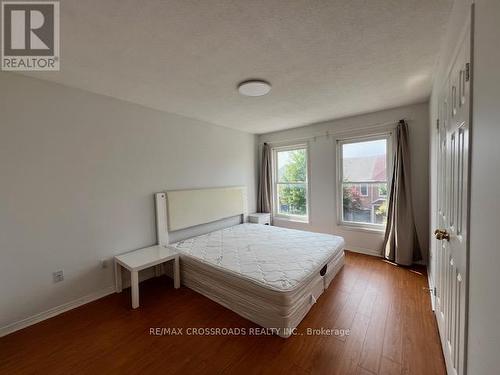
(278, 258)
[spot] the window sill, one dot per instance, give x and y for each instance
(291, 219)
(361, 228)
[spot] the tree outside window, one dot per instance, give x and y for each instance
(291, 182)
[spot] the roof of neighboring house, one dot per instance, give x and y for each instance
(369, 168)
(379, 201)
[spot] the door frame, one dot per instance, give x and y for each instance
(434, 188)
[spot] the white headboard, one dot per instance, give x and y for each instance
(181, 209)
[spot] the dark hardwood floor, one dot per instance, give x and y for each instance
(388, 312)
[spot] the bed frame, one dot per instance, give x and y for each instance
(184, 213)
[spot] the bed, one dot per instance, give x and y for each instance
(269, 275)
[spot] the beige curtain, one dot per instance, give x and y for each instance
(401, 243)
(265, 176)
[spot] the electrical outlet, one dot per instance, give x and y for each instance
(58, 276)
(104, 263)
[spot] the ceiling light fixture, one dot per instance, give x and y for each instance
(254, 87)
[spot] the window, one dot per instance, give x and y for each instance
(363, 166)
(363, 190)
(382, 191)
(290, 182)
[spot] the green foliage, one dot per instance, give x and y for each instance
(294, 195)
(382, 210)
(295, 170)
(382, 189)
(351, 198)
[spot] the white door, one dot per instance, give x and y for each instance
(452, 215)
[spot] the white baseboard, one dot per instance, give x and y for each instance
(55, 311)
(376, 253)
(361, 250)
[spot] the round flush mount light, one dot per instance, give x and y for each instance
(254, 87)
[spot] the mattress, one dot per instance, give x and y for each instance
(269, 275)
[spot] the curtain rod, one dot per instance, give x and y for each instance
(329, 133)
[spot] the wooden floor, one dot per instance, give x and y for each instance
(388, 312)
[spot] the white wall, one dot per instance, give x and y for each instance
(323, 213)
(77, 177)
(484, 271)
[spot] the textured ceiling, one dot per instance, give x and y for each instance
(325, 59)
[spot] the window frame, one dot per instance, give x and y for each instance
(389, 137)
(276, 213)
(361, 190)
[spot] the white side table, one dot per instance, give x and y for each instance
(260, 218)
(138, 260)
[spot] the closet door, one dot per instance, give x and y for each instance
(453, 175)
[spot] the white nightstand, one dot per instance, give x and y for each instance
(260, 218)
(138, 260)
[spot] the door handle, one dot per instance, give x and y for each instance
(442, 234)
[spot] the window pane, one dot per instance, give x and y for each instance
(365, 161)
(292, 165)
(382, 190)
(363, 189)
(358, 208)
(292, 199)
